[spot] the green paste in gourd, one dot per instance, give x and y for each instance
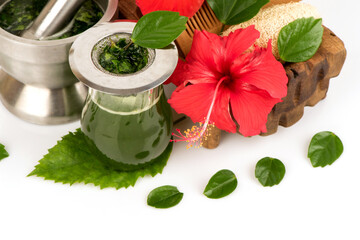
(121, 58)
(127, 141)
(17, 15)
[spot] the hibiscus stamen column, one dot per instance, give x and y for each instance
(198, 135)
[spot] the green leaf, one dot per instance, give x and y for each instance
(269, 171)
(221, 184)
(3, 152)
(71, 161)
(232, 12)
(158, 29)
(164, 197)
(324, 149)
(299, 40)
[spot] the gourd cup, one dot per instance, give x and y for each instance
(126, 119)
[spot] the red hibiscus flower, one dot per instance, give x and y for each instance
(223, 82)
(186, 8)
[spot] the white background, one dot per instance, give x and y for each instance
(310, 203)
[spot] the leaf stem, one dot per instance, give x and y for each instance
(222, 28)
(129, 44)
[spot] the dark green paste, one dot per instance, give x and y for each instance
(119, 58)
(17, 15)
(128, 142)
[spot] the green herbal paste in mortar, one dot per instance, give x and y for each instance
(17, 15)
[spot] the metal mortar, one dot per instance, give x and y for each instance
(36, 82)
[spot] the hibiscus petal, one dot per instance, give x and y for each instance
(250, 109)
(193, 100)
(199, 73)
(207, 49)
(261, 70)
(239, 41)
(192, 73)
(221, 112)
(185, 7)
(179, 73)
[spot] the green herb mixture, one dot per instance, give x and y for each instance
(121, 58)
(17, 15)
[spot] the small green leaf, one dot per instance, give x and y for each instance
(324, 149)
(221, 184)
(232, 12)
(158, 29)
(299, 40)
(164, 197)
(269, 171)
(3, 152)
(72, 161)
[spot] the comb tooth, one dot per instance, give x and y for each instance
(199, 17)
(195, 24)
(189, 32)
(204, 19)
(214, 18)
(199, 14)
(190, 27)
(209, 20)
(210, 15)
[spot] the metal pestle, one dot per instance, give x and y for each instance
(53, 18)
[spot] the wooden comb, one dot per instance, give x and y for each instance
(204, 19)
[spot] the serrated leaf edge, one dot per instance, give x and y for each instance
(101, 186)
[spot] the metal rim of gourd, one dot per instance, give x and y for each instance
(84, 54)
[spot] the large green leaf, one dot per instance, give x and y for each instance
(221, 184)
(158, 29)
(3, 152)
(232, 12)
(269, 171)
(71, 161)
(324, 149)
(164, 197)
(299, 40)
